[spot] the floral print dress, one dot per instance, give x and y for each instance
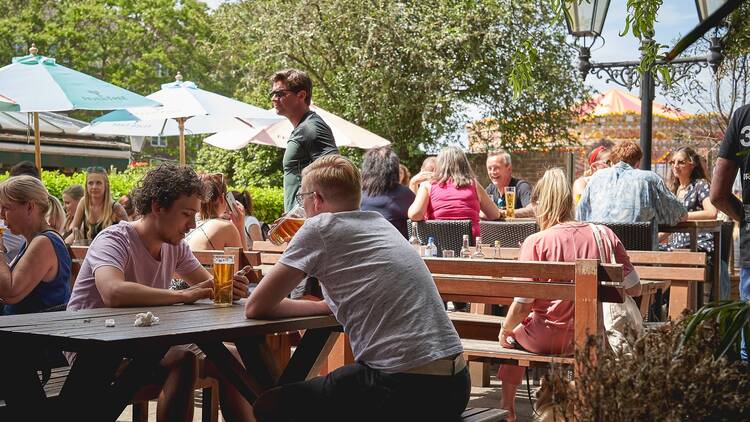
(695, 193)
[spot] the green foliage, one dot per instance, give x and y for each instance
(136, 44)
(403, 70)
(254, 165)
(268, 203)
(732, 319)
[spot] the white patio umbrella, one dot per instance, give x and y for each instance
(186, 110)
(345, 133)
(38, 84)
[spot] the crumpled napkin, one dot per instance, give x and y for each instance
(145, 320)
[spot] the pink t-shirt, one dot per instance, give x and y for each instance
(120, 246)
(550, 326)
(448, 202)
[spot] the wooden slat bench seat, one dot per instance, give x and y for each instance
(480, 350)
(479, 414)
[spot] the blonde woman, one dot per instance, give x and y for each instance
(453, 193)
(39, 277)
(97, 210)
(547, 326)
(71, 197)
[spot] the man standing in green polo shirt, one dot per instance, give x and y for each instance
(311, 138)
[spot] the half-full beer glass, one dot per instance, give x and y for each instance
(510, 201)
(287, 226)
(223, 268)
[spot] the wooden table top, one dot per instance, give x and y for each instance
(178, 324)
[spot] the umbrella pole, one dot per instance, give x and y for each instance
(181, 126)
(37, 146)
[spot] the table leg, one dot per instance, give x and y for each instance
(232, 370)
(93, 387)
(21, 389)
(682, 296)
(716, 259)
(310, 355)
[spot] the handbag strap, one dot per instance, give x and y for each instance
(600, 240)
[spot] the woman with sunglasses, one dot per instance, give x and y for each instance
(38, 279)
(220, 226)
(689, 183)
(97, 210)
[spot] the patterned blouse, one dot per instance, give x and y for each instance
(695, 193)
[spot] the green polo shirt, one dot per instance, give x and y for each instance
(310, 140)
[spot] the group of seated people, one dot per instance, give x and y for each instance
(399, 331)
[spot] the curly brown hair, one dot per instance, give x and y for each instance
(164, 185)
(626, 151)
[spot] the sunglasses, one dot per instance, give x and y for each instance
(95, 169)
(280, 93)
(679, 162)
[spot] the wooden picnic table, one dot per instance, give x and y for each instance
(97, 389)
(695, 227)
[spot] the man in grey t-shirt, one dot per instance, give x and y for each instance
(408, 355)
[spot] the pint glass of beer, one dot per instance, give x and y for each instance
(510, 201)
(287, 226)
(223, 269)
(2, 227)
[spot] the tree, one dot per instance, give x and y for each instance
(405, 70)
(729, 88)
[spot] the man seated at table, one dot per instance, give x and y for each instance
(132, 263)
(625, 194)
(499, 170)
(408, 356)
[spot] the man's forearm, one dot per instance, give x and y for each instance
(126, 294)
(290, 308)
(731, 206)
(527, 211)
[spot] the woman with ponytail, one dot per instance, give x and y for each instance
(97, 210)
(38, 279)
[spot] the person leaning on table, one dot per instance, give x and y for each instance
(409, 363)
(37, 279)
(132, 263)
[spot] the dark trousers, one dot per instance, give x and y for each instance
(357, 392)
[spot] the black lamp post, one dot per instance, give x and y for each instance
(585, 19)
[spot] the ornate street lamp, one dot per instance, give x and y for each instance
(585, 19)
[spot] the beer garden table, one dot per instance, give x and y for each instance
(96, 390)
(694, 227)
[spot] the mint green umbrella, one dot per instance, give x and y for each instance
(37, 83)
(6, 104)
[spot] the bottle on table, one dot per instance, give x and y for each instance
(431, 248)
(497, 254)
(465, 251)
(414, 240)
(478, 254)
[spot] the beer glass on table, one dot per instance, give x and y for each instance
(510, 201)
(2, 227)
(287, 226)
(223, 269)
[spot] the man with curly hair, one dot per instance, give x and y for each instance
(132, 263)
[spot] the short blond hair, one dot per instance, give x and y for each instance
(554, 199)
(336, 179)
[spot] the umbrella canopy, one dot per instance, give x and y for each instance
(615, 101)
(345, 133)
(6, 104)
(37, 84)
(186, 110)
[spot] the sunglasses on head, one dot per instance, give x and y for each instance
(95, 169)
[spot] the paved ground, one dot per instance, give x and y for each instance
(480, 397)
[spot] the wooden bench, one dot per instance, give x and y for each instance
(658, 270)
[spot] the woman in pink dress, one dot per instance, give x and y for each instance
(453, 193)
(547, 326)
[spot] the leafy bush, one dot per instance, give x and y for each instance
(656, 380)
(268, 203)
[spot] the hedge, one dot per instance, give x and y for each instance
(268, 203)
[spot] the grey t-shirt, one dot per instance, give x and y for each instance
(378, 288)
